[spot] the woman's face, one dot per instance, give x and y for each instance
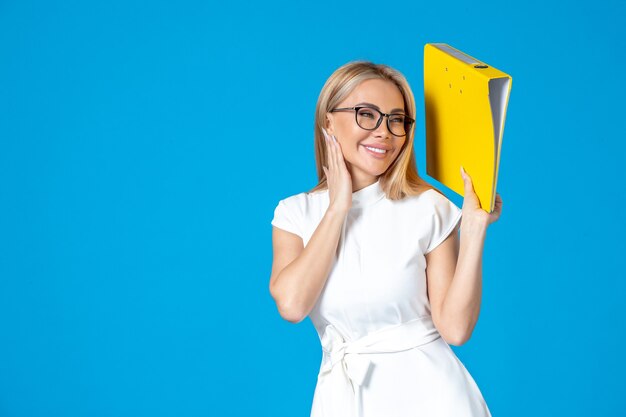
(363, 164)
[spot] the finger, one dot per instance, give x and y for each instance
(465, 177)
(325, 133)
(338, 152)
(333, 154)
(329, 151)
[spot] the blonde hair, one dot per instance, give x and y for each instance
(401, 178)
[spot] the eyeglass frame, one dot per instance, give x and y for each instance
(380, 118)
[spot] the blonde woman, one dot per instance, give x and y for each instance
(373, 256)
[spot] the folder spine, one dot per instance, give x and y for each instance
(467, 61)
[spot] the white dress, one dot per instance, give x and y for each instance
(381, 353)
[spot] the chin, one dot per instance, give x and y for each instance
(373, 171)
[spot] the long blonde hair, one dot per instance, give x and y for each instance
(401, 178)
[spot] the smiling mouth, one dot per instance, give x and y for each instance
(376, 149)
(376, 152)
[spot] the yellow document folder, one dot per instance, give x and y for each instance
(465, 105)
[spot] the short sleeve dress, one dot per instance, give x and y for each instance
(381, 353)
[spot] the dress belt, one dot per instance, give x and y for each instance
(345, 367)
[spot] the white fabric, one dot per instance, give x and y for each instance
(381, 353)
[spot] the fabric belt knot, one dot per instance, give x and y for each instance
(345, 364)
(355, 366)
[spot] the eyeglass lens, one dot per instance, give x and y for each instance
(367, 118)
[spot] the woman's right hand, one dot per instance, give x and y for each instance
(337, 176)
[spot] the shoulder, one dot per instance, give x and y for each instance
(432, 203)
(424, 198)
(439, 203)
(293, 199)
(301, 200)
(435, 196)
(295, 213)
(291, 205)
(302, 204)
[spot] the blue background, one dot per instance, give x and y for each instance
(144, 146)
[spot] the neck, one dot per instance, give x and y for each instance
(361, 179)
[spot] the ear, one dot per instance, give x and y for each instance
(328, 124)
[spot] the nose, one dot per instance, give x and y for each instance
(383, 129)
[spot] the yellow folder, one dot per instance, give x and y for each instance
(465, 105)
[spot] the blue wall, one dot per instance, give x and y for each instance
(144, 146)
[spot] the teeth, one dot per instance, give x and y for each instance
(376, 149)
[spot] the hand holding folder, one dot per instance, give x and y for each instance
(465, 105)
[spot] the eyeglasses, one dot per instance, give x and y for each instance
(397, 123)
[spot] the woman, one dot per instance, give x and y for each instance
(373, 256)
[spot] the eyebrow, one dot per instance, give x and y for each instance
(378, 108)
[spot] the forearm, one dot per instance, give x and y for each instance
(299, 284)
(461, 305)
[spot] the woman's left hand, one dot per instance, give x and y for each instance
(471, 204)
